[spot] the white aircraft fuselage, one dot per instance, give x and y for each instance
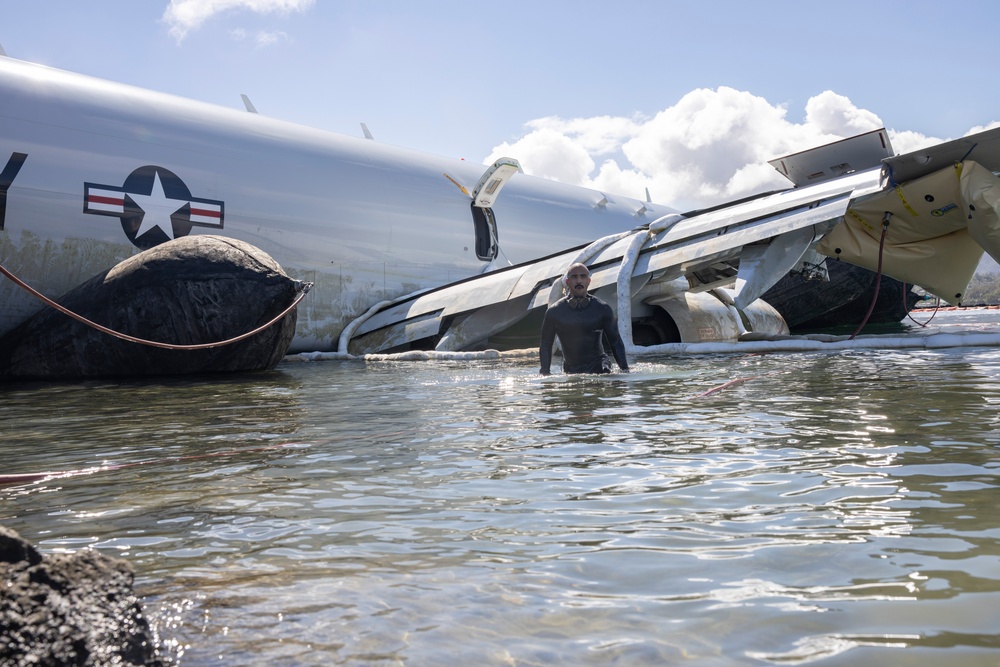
(92, 172)
(104, 170)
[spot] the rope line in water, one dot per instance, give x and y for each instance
(732, 383)
(737, 382)
(937, 307)
(152, 343)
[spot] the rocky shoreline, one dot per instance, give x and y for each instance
(69, 609)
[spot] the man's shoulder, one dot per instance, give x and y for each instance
(600, 304)
(562, 302)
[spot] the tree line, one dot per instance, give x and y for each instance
(984, 290)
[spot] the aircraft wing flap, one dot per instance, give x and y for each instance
(782, 203)
(487, 288)
(692, 252)
(982, 147)
(471, 293)
(520, 284)
(835, 159)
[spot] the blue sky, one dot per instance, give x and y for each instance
(688, 99)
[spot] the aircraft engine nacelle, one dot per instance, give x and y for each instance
(702, 317)
(668, 311)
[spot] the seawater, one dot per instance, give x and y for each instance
(837, 509)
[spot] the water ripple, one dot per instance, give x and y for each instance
(352, 514)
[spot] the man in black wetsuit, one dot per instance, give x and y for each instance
(580, 319)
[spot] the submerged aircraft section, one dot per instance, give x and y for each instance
(698, 277)
(679, 265)
(362, 220)
(410, 250)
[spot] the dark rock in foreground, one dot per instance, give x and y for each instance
(69, 609)
(193, 290)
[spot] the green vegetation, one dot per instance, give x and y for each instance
(984, 289)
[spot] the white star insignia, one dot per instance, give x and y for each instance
(157, 209)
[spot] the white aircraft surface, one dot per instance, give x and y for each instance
(408, 250)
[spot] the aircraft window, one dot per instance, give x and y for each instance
(487, 243)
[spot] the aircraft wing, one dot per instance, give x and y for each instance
(940, 221)
(704, 248)
(982, 147)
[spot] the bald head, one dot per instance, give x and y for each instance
(577, 279)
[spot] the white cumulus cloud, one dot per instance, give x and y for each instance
(710, 147)
(184, 16)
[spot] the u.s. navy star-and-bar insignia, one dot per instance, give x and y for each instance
(154, 206)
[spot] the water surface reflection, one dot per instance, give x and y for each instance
(828, 507)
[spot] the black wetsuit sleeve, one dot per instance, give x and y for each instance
(545, 344)
(617, 345)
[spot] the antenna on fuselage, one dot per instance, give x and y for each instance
(248, 104)
(2, 52)
(368, 135)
